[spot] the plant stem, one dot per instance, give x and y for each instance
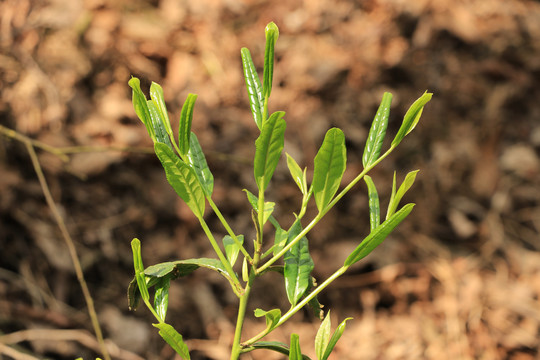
(71, 247)
(228, 228)
(237, 286)
(237, 347)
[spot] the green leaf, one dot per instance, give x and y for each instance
(171, 270)
(297, 174)
(396, 197)
(157, 124)
(329, 166)
(182, 178)
(174, 339)
(141, 107)
(295, 353)
(139, 269)
(186, 116)
(197, 160)
(268, 208)
(254, 88)
(272, 34)
(272, 317)
(156, 94)
(298, 265)
(274, 346)
(334, 339)
(377, 132)
(231, 248)
(268, 149)
(323, 336)
(376, 237)
(280, 240)
(411, 118)
(374, 206)
(161, 297)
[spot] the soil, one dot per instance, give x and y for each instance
(459, 279)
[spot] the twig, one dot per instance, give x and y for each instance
(71, 248)
(81, 336)
(15, 354)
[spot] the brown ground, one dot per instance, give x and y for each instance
(460, 279)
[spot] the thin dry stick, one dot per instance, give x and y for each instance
(15, 354)
(71, 248)
(81, 336)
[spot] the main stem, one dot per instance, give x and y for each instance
(236, 348)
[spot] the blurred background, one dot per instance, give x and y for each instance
(459, 279)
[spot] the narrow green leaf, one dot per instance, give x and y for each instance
(272, 317)
(280, 240)
(323, 336)
(186, 117)
(156, 94)
(197, 160)
(272, 34)
(297, 174)
(411, 118)
(268, 208)
(157, 124)
(161, 297)
(334, 339)
(245, 271)
(174, 339)
(374, 206)
(268, 149)
(329, 166)
(182, 178)
(139, 269)
(295, 353)
(254, 88)
(298, 265)
(397, 196)
(377, 132)
(231, 248)
(376, 237)
(141, 107)
(274, 346)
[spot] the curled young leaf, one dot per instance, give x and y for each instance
(374, 206)
(295, 353)
(161, 297)
(323, 336)
(297, 174)
(141, 107)
(334, 339)
(411, 118)
(272, 317)
(272, 34)
(156, 94)
(398, 195)
(186, 117)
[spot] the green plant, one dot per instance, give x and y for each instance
(188, 173)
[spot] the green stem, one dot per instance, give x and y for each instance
(237, 286)
(228, 228)
(321, 214)
(298, 306)
(237, 347)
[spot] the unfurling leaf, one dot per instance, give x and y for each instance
(323, 336)
(411, 118)
(231, 248)
(334, 339)
(297, 174)
(272, 317)
(374, 205)
(396, 196)
(186, 117)
(272, 34)
(295, 353)
(141, 107)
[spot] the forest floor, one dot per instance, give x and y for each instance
(459, 279)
